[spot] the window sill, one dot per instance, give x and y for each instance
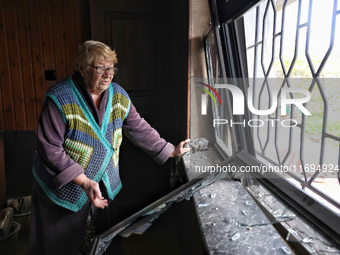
(244, 218)
(231, 220)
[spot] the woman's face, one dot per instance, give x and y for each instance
(95, 82)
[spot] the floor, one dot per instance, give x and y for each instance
(22, 246)
(175, 232)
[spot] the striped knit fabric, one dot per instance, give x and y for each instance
(95, 148)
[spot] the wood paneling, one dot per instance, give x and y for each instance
(36, 35)
(27, 75)
(6, 91)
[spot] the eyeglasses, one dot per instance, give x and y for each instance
(102, 69)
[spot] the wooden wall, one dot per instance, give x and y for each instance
(36, 35)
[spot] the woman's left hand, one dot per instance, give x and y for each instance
(179, 150)
(92, 191)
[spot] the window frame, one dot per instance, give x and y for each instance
(231, 52)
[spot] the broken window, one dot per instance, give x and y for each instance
(289, 52)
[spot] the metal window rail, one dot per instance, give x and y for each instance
(316, 82)
(229, 139)
(214, 70)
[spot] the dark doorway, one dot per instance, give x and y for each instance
(151, 41)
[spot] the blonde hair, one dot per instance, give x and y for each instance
(90, 51)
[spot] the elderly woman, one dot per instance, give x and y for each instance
(76, 166)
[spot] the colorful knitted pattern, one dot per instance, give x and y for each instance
(95, 148)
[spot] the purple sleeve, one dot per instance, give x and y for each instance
(50, 141)
(146, 137)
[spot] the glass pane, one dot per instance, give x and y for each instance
(290, 48)
(220, 111)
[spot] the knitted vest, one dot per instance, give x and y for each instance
(95, 148)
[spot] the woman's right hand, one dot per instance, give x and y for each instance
(92, 191)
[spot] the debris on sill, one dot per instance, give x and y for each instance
(238, 226)
(238, 213)
(198, 144)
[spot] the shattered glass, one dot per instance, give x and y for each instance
(142, 220)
